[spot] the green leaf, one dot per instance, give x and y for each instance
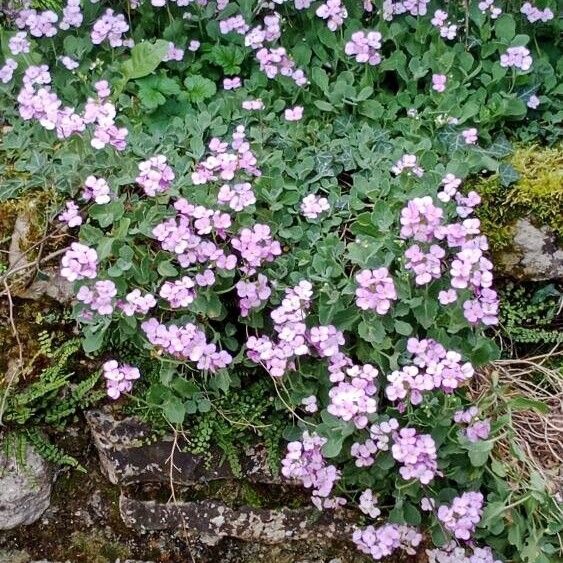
(403, 328)
(479, 452)
(229, 57)
(199, 88)
(167, 269)
(505, 27)
(93, 339)
(324, 106)
(517, 404)
(174, 410)
(508, 174)
(426, 313)
(144, 59)
(372, 332)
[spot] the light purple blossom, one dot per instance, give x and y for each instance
(119, 378)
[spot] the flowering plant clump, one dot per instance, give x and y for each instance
(281, 192)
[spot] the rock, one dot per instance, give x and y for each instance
(24, 490)
(129, 455)
(534, 254)
(212, 520)
(53, 285)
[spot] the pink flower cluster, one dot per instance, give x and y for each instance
(155, 175)
(310, 404)
(289, 325)
(100, 297)
(293, 114)
(110, 27)
(416, 453)
(72, 15)
(488, 6)
(462, 515)
(7, 71)
(425, 265)
(470, 136)
(304, 461)
(235, 24)
(453, 553)
(368, 504)
(252, 294)
(237, 196)
(274, 61)
(71, 215)
(19, 43)
(364, 47)
(268, 33)
(469, 268)
(440, 21)
(334, 12)
(79, 262)
(409, 163)
(378, 441)
(173, 54)
(534, 14)
(433, 367)
(232, 83)
(223, 164)
(450, 185)
(393, 8)
(375, 291)
(253, 105)
(475, 430)
(256, 246)
(39, 24)
(179, 293)
(135, 302)
(353, 398)
(97, 190)
(186, 342)
(516, 57)
(384, 541)
(439, 82)
(313, 205)
(44, 106)
(119, 378)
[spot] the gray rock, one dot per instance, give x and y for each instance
(534, 254)
(129, 455)
(212, 520)
(24, 490)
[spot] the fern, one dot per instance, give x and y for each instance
(50, 451)
(49, 400)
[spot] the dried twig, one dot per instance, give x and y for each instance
(16, 372)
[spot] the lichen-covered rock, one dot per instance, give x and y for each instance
(128, 454)
(534, 254)
(211, 520)
(25, 490)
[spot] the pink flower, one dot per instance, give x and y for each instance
(470, 136)
(439, 82)
(313, 205)
(293, 114)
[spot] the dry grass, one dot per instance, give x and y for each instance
(530, 392)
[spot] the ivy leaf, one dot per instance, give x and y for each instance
(199, 88)
(508, 174)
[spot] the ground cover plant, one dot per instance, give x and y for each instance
(274, 193)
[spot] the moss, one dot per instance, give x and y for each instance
(537, 195)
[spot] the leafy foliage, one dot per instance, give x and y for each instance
(359, 122)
